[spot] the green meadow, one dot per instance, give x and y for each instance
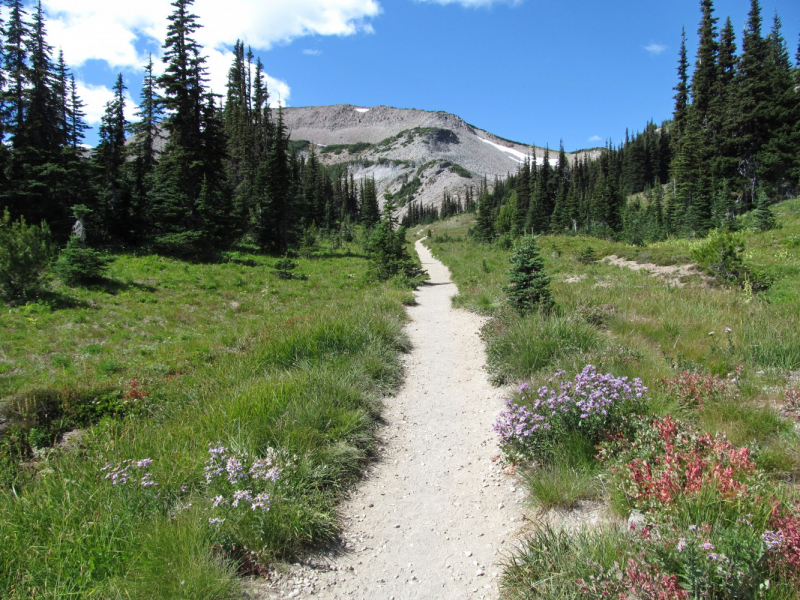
(160, 362)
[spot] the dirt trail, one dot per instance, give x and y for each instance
(435, 513)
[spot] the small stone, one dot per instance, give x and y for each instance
(500, 505)
(467, 553)
(397, 526)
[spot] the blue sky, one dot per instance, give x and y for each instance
(535, 71)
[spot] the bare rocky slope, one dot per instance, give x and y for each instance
(427, 152)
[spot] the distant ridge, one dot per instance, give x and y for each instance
(398, 145)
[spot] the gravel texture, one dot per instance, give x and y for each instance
(436, 513)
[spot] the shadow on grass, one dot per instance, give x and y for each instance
(59, 301)
(114, 286)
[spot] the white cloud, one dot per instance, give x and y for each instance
(655, 49)
(312, 52)
(95, 97)
(110, 30)
(474, 3)
(595, 138)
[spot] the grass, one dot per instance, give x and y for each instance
(226, 353)
(632, 324)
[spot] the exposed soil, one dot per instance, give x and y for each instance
(436, 512)
(672, 273)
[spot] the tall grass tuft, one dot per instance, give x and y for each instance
(519, 347)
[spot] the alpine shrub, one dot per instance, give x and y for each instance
(25, 254)
(77, 265)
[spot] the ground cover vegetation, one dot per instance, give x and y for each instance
(667, 398)
(731, 146)
(183, 423)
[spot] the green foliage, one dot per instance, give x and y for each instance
(720, 255)
(460, 171)
(388, 252)
(78, 265)
(337, 149)
(764, 217)
(284, 269)
(528, 287)
(587, 255)
(25, 255)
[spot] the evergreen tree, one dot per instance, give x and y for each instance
(724, 161)
(705, 71)
(370, 211)
(752, 101)
(110, 156)
(76, 116)
(776, 156)
(682, 91)
(187, 182)
(484, 227)
(275, 225)
(528, 287)
(16, 64)
(764, 217)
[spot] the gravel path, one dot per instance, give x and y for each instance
(435, 513)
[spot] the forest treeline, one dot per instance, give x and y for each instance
(195, 172)
(733, 144)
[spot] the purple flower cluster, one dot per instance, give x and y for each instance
(226, 471)
(121, 473)
(590, 402)
(773, 539)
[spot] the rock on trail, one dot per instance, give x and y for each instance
(436, 513)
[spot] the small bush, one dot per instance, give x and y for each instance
(720, 255)
(587, 256)
(284, 269)
(78, 265)
(528, 287)
(25, 254)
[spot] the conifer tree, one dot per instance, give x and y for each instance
(4, 151)
(764, 217)
(16, 63)
(682, 91)
(529, 286)
(370, 211)
(752, 100)
(523, 190)
(274, 228)
(146, 128)
(186, 181)
(705, 71)
(484, 227)
(724, 161)
(76, 115)
(776, 156)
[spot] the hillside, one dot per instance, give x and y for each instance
(395, 146)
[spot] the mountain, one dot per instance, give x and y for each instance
(412, 154)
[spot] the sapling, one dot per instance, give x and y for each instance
(529, 285)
